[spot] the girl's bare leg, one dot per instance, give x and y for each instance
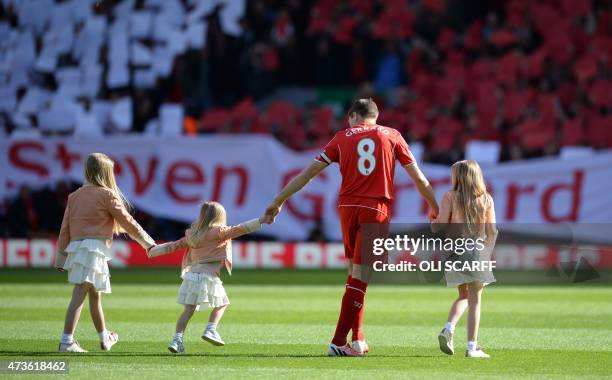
(95, 308)
(458, 307)
(216, 314)
(75, 307)
(183, 320)
(473, 319)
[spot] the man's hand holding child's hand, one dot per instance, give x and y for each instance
(149, 250)
(266, 219)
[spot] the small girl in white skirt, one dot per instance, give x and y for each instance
(94, 212)
(209, 249)
(467, 211)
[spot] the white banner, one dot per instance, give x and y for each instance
(169, 178)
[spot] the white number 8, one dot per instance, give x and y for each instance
(365, 148)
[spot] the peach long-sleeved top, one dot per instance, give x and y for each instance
(213, 246)
(92, 212)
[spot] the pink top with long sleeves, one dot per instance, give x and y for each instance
(92, 212)
(214, 246)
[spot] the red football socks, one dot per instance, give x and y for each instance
(352, 307)
(356, 329)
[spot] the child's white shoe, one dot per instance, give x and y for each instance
(71, 347)
(213, 337)
(360, 346)
(477, 353)
(346, 350)
(445, 338)
(111, 339)
(176, 346)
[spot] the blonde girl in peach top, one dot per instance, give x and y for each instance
(93, 214)
(467, 211)
(208, 244)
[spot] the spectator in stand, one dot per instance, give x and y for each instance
(23, 216)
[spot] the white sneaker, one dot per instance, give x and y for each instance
(72, 347)
(176, 346)
(360, 346)
(477, 353)
(111, 339)
(213, 337)
(445, 338)
(347, 350)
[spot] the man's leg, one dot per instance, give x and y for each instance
(356, 328)
(376, 227)
(352, 303)
(348, 219)
(354, 296)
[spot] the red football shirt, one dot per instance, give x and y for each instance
(366, 155)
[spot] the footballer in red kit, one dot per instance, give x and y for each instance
(366, 154)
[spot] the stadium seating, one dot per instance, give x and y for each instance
(89, 68)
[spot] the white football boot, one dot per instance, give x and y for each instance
(346, 350)
(213, 337)
(72, 347)
(477, 353)
(445, 338)
(111, 339)
(360, 346)
(176, 346)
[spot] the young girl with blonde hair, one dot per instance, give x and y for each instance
(468, 211)
(94, 213)
(209, 249)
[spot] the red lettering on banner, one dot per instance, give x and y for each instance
(184, 173)
(575, 190)
(605, 257)
(534, 256)
(245, 254)
(18, 253)
(309, 255)
(122, 251)
(335, 257)
(20, 162)
(317, 201)
(410, 185)
(274, 255)
(513, 194)
(141, 185)
(552, 258)
(42, 253)
(66, 157)
(117, 167)
(243, 178)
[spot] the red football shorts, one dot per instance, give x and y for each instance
(359, 224)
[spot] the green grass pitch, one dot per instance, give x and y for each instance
(281, 329)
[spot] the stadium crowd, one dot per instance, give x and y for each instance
(534, 76)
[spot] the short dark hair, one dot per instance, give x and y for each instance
(364, 108)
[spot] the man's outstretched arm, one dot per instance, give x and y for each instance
(295, 185)
(423, 186)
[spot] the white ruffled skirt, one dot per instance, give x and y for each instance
(87, 261)
(202, 289)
